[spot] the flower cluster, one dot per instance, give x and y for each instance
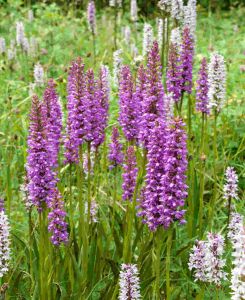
(54, 121)
(133, 10)
(2, 45)
(129, 174)
(117, 63)
(115, 155)
(202, 103)
(217, 81)
(57, 224)
(4, 243)
(153, 97)
(190, 16)
(38, 74)
(237, 236)
(91, 16)
(39, 173)
(165, 5)
(147, 38)
(186, 58)
(129, 282)
(230, 187)
(177, 9)
(165, 189)
(206, 259)
(129, 108)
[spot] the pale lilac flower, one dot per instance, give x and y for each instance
(30, 15)
(175, 36)
(38, 74)
(129, 282)
(230, 187)
(2, 45)
(237, 236)
(148, 38)
(133, 10)
(207, 260)
(177, 9)
(91, 16)
(117, 64)
(20, 33)
(33, 46)
(165, 5)
(190, 16)
(127, 34)
(94, 211)
(4, 243)
(217, 81)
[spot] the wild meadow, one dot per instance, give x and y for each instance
(122, 150)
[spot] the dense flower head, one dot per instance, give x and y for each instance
(20, 33)
(38, 74)
(54, 121)
(165, 5)
(4, 243)
(151, 208)
(2, 204)
(115, 153)
(91, 16)
(39, 167)
(236, 234)
(175, 37)
(174, 73)
(147, 38)
(30, 15)
(173, 181)
(127, 34)
(152, 104)
(129, 282)
(129, 174)
(177, 9)
(117, 64)
(190, 16)
(75, 129)
(230, 187)
(2, 45)
(103, 92)
(160, 31)
(217, 81)
(206, 259)
(133, 10)
(186, 58)
(202, 103)
(129, 108)
(57, 224)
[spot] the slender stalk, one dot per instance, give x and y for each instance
(213, 200)
(94, 48)
(89, 182)
(115, 27)
(190, 168)
(202, 170)
(168, 262)
(43, 288)
(157, 262)
(163, 46)
(114, 197)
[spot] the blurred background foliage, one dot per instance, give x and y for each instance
(146, 7)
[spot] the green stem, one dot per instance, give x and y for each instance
(213, 200)
(157, 262)
(94, 48)
(163, 45)
(115, 27)
(114, 197)
(89, 183)
(168, 263)
(202, 170)
(43, 288)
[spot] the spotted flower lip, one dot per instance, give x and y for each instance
(129, 175)
(41, 179)
(202, 101)
(129, 282)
